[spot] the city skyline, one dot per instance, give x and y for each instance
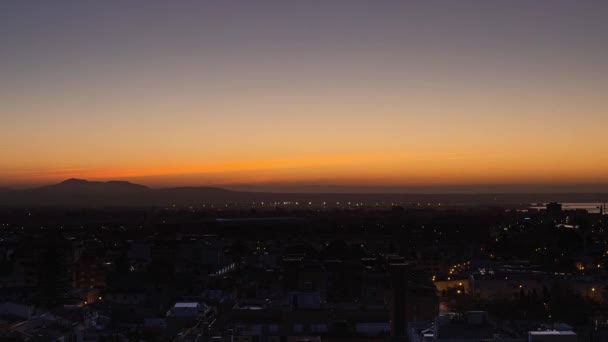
(269, 94)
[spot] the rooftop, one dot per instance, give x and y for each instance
(551, 332)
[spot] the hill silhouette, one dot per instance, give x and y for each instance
(74, 184)
(80, 192)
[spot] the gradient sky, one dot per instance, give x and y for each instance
(367, 93)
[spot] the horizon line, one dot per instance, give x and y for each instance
(413, 189)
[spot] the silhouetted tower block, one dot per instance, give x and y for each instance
(47, 262)
(414, 298)
(554, 208)
(291, 273)
(398, 305)
(163, 254)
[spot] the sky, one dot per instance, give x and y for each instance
(279, 94)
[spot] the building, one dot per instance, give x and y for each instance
(413, 298)
(552, 336)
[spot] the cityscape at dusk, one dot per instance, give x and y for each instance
(304, 171)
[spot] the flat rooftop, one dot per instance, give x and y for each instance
(551, 332)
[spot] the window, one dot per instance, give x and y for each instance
(318, 328)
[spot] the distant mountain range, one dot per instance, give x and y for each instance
(79, 192)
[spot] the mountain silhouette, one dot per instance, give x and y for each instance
(80, 192)
(74, 184)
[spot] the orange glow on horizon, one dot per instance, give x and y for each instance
(348, 169)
